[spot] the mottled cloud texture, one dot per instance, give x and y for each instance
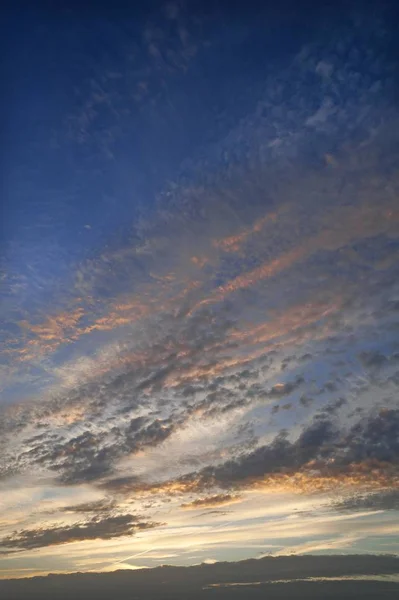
(210, 373)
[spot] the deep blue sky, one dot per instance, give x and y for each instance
(57, 172)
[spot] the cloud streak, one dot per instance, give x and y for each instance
(105, 528)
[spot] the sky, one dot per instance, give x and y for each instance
(199, 284)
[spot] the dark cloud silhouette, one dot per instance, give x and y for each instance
(152, 435)
(136, 424)
(212, 513)
(211, 501)
(334, 406)
(305, 400)
(97, 507)
(281, 454)
(384, 500)
(375, 438)
(85, 458)
(124, 484)
(104, 528)
(372, 359)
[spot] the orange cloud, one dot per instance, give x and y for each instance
(349, 224)
(212, 501)
(366, 476)
(287, 322)
(48, 335)
(369, 475)
(286, 328)
(233, 243)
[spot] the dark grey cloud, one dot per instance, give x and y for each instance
(86, 457)
(211, 501)
(374, 437)
(384, 500)
(104, 528)
(90, 457)
(277, 407)
(136, 424)
(372, 359)
(82, 458)
(279, 456)
(218, 400)
(96, 507)
(306, 400)
(334, 406)
(374, 440)
(285, 389)
(237, 390)
(124, 484)
(213, 513)
(151, 435)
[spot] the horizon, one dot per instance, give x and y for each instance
(280, 576)
(354, 575)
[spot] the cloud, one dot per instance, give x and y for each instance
(372, 359)
(179, 352)
(212, 501)
(80, 459)
(96, 528)
(322, 456)
(334, 406)
(96, 506)
(128, 484)
(280, 455)
(152, 435)
(360, 222)
(285, 389)
(384, 500)
(305, 400)
(233, 243)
